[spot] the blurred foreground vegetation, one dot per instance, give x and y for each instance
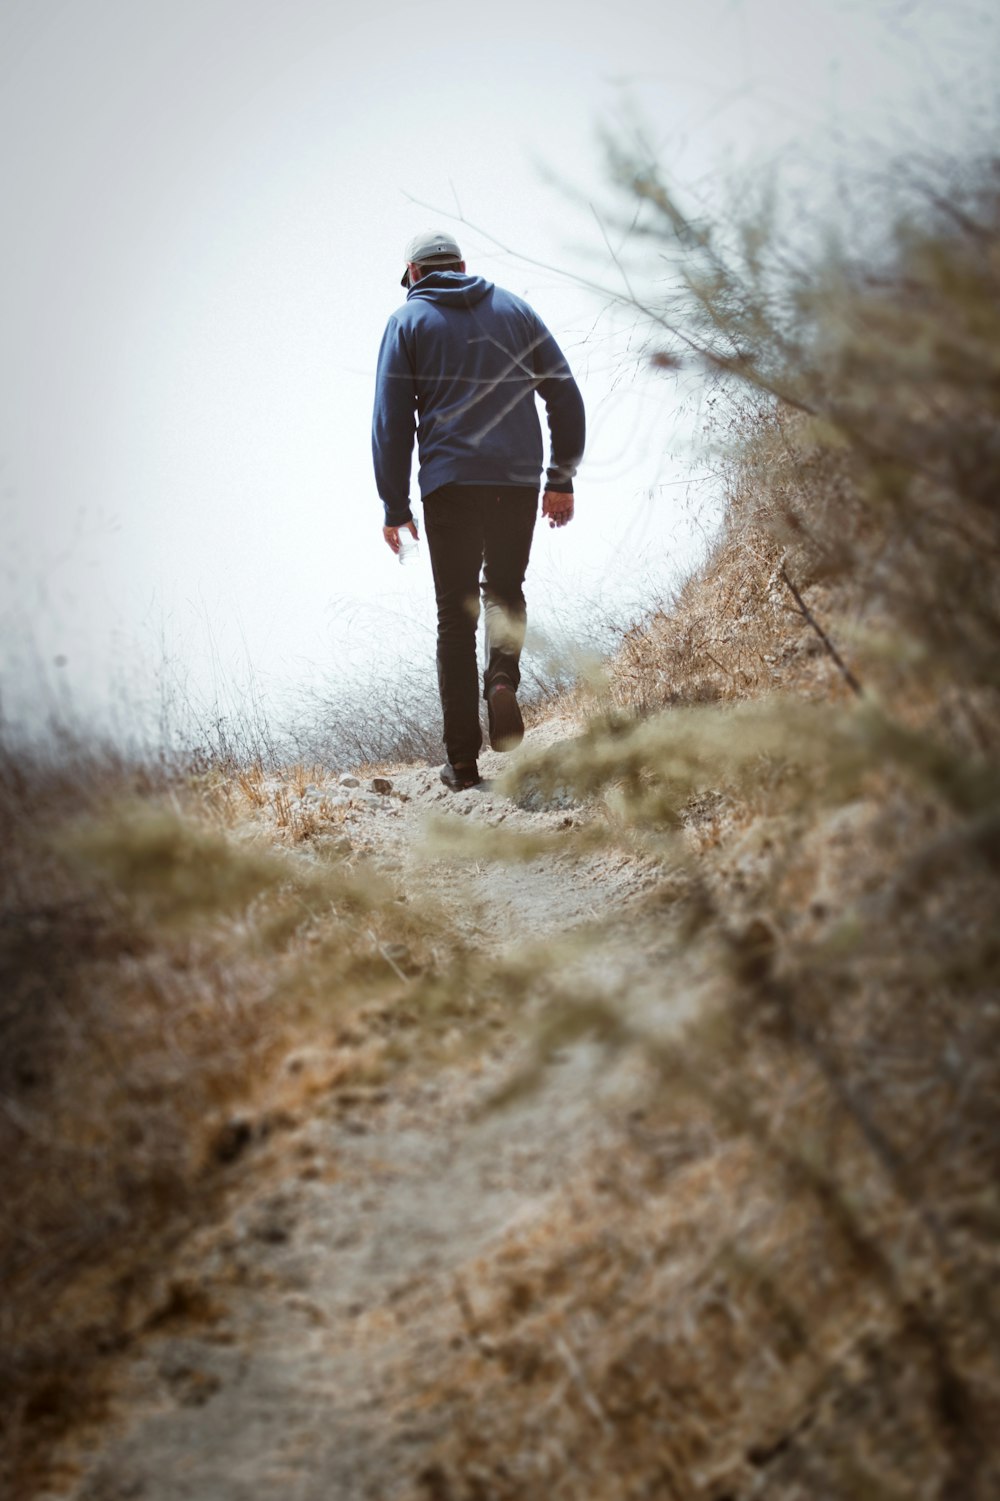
(798, 1296)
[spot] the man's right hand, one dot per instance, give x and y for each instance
(557, 505)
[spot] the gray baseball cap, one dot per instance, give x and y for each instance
(429, 246)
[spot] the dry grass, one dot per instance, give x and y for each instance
(188, 961)
(783, 1280)
(160, 958)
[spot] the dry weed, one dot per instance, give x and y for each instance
(787, 1286)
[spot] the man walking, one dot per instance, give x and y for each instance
(459, 365)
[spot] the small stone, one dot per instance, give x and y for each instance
(231, 1139)
(307, 1060)
(381, 785)
(273, 1223)
(193, 1387)
(272, 1231)
(533, 798)
(347, 780)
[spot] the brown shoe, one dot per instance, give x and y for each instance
(506, 724)
(460, 778)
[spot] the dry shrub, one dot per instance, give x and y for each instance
(784, 1283)
(863, 461)
(734, 631)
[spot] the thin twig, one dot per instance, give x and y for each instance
(580, 1382)
(807, 614)
(387, 957)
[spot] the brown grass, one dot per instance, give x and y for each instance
(160, 959)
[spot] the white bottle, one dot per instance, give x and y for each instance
(409, 548)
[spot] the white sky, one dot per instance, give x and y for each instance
(205, 205)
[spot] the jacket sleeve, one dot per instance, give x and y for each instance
(563, 409)
(393, 425)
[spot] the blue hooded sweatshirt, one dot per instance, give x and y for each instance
(460, 364)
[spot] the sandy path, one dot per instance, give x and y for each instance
(340, 1265)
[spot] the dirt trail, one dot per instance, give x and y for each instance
(493, 902)
(346, 1261)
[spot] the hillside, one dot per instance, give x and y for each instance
(626, 1127)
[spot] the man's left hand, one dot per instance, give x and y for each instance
(557, 505)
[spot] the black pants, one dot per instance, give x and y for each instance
(475, 530)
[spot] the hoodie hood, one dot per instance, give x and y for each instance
(450, 289)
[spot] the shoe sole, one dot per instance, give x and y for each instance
(506, 724)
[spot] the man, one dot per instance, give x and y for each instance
(460, 364)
